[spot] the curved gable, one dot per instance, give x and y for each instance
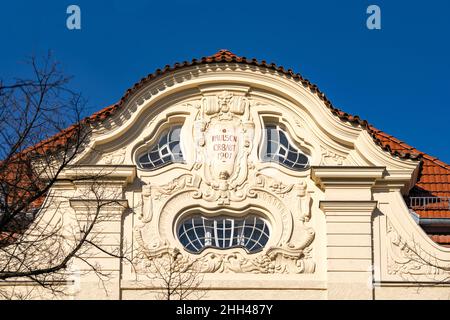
(247, 170)
(433, 176)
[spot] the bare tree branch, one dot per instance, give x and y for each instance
(175, 280)
(41, 134)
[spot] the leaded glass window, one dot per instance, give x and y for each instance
(166, 150)
(198, 232)
(277, 148)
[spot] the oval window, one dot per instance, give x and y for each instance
(198, 232)
(167, 150)
(277, 147)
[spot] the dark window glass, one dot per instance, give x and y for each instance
(277, 148)
(198, 232)
(166, 150)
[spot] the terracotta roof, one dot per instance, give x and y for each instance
(433, 179)
(434, 175)
(443, 240)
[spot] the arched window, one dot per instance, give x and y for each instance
(276, 147)
(198, 232)
(166, 150)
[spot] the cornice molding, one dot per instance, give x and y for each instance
(82, 206)
(345, 176)
(124, 174)
(347, 207)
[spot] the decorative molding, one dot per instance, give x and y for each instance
(336, 176)
(348, 207)
(83, 206)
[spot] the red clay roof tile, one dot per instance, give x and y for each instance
(441, 239)
(433, 214)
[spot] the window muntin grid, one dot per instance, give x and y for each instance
(166, 150)
(277, 148)
(198, 232)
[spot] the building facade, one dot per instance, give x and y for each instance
(245, 171)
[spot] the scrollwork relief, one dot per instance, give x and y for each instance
(330, 158)
(223, 135)
(406, 258)
(224, 177)
(276, 260)
(291, 255)
(274, 185)
(177, 184)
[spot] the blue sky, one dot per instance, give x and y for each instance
(396, 77)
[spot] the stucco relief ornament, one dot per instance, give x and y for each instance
(147, 204)
(330, 158)
(292, 255)
(406, 258)
(223, 135)
(298, 248)
(304, 200)
(223, 175)
(274, 185)
(274, 261)
(183, 182)
(114, 158)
